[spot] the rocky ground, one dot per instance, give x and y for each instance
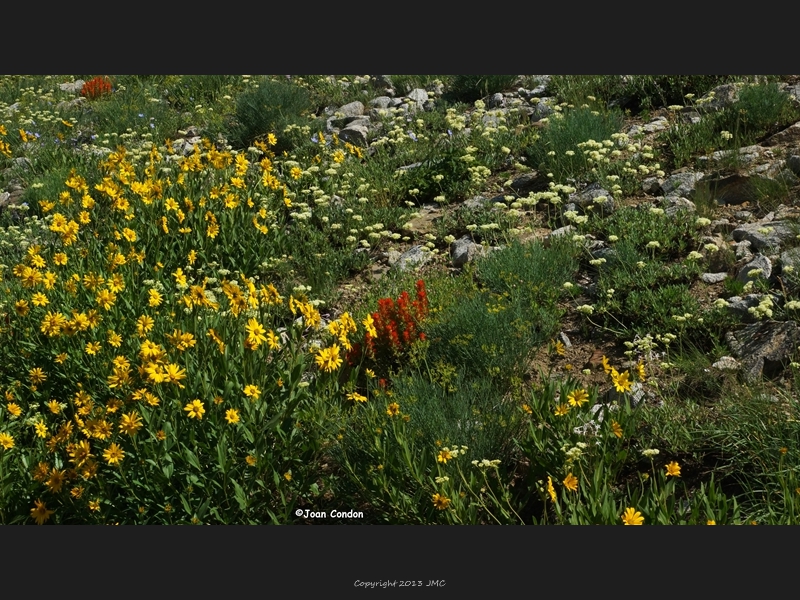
(759, 231)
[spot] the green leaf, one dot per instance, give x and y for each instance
(186, 505)
(203, 508)
(191, 457)
(239, 494)
(248, 435)
(222, 446)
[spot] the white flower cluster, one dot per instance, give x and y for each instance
(764, 308)
(667, 338)
(793, 305)
(574, 452)
(486, 463)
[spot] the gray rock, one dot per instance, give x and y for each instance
(722, 226)
(23, 163)
(787, 177)
(739, 305)
(747, 156)
(476, 202)
(587, 197)
(727, 363)
(381, 102)
(790, 135)
(355, 134)
(733, 190)
(541, 110)
(334, 123)
(657, 124)
(412, 258)
(464, 250)
(718, 98)
(690, 115)
(783, 212)
(496, 101)
(11, 198)
(651, 185)
(764, 347)
(589, 428)
(565, 340)
(74, 87)
(381, 81)
(713, 277)
(602, 251)
(760, 263)
(677, 204)
(568, 229)
(764, 235)
(352, 109)
(419, 96)
(70, 104)
(542, 81)
(791, 258)
(767, 170)
(681, 184)
(794, 92)
(530, 182)
(185, 146)
(793, 163)
(742, 250)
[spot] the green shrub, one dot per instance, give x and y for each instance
(268, 108)
(641, 226)
(563, 134)
(459, 409)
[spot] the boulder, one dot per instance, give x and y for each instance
(763, 348)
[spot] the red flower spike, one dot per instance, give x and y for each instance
(94, 88)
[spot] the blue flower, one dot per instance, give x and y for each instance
(412, 135)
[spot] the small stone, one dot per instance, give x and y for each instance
(713, 277)
(726, 363)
